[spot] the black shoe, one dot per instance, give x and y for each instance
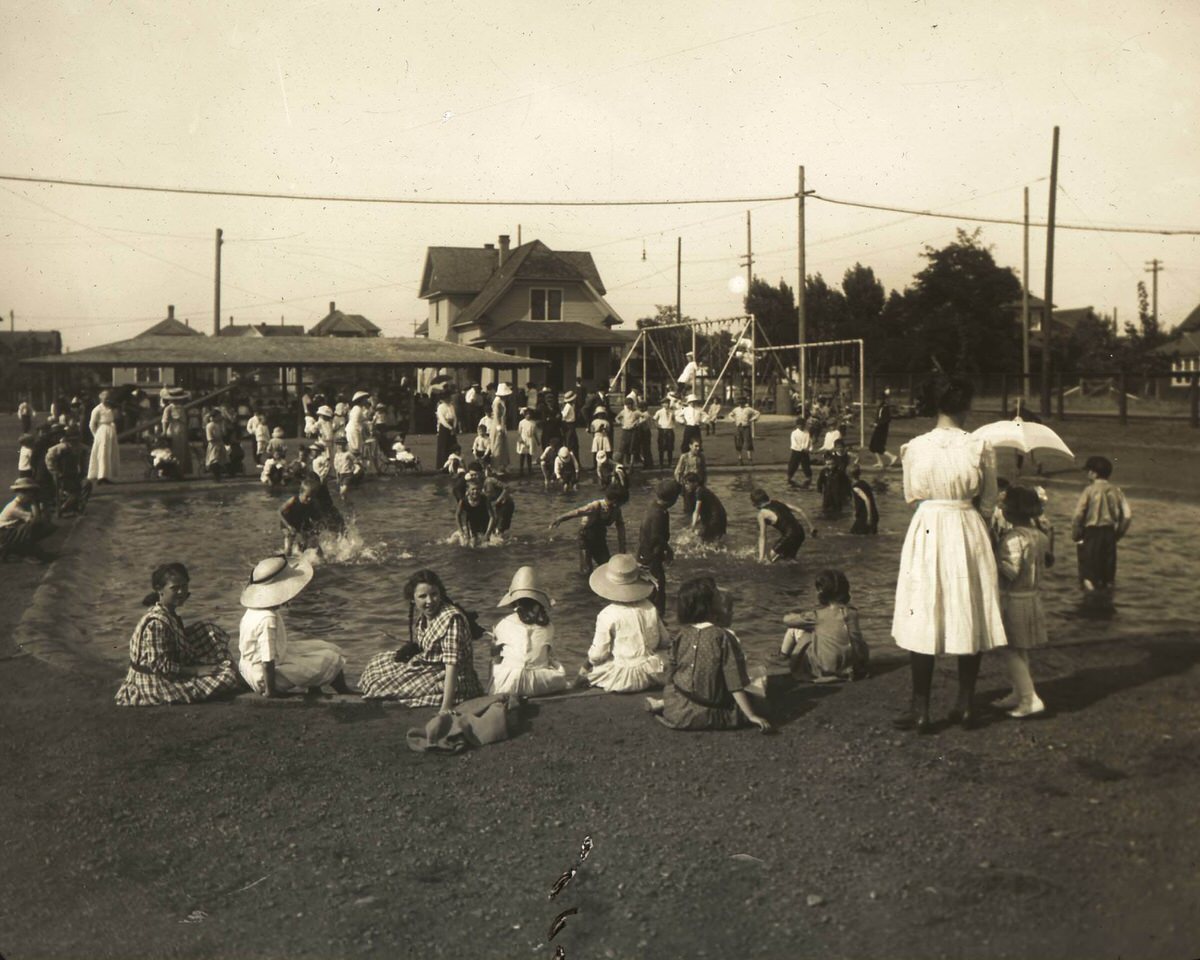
(966, 719)
(911, 720)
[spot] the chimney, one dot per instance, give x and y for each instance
(332, 306)
(187, 322)
(170, 311)
(503, 248)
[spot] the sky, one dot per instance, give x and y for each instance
(927, 104)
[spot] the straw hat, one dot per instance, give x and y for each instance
(689, 354)
(24, 483)
(277, 433)
(503, 390)
(359, 395)
(174, 394)
(525, 584)
(274, 581)
(621, 580)
(325, 411)
(569, 396)
(692, 398)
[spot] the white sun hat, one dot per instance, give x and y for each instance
(275, 581)
(503, 390)
(525, 583)
(621, 580)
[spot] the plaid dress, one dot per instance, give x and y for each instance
(446, 639)
(159, 647)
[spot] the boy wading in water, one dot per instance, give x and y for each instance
(597, 517)
(654, 539)
(781, 516)
(1101, 519)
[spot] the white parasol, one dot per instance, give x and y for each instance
(1023, 437)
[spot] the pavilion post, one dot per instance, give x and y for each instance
(1194, 398)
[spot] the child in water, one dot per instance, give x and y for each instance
(781, 516)
(546, 462)
(481, 446)
(269, 663)
(454, 461)
(707, 680)
(502, 503)
(566, 469)
(1101, 520)
(476, 518)
(826, 644)
(866, 511)
(691, 461)
(1025, 552)
(402, 457)
(522, 639)
(348, 467)
(629, 631)
(528, 440)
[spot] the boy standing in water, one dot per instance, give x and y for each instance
(654, 539)
(1101, 519)
(597, 517)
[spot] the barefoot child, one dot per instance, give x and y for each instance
(800, 457)
(1025, 552)
(597, 517)
(526, 666)
(781, 516)
(502, 503)
(481, 446)
(629, 631)
(706, 685)
(708, 518)
(528, 440)
(601, 444)
(866, 511)
(743, 416)
(269, 663)
(1101, 520)
(566, 469)
(475, 517)
(691, 461)
(826, 644)
(546, 463)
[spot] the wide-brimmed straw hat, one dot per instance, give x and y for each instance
(503, 390)
(569, 396)
(621, 580)
(277, 433)
(525, 584)
(359, 395)
(275, 581)
(24, 483)
(325, 411)
(176, 393)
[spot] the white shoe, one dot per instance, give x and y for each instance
(1007, 703)
(1030, 709)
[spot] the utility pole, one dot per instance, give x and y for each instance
(217, 289)
(1154, 267)
(749, 257)
(803, 320)
(1048, 311)
(1025, 308)
(12, 322)
(679, 290)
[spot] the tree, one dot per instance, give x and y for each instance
(775, 310)
(825, 310)
(1142, 338)
(864, 301)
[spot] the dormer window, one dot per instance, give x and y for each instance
(545, 304)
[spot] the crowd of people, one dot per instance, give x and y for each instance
(969, 577)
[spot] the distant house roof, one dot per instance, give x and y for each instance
(468, 269)
(1072, 317)
(559, 331)
(29, 343)
(1191, 323)
(421, 329)
(284, 351)
(261, 330)
(170, 327)
(1186, 344)
(338, 324)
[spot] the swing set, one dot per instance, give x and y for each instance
(730, 357)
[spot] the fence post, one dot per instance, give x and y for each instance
(1122, 400)
(1058, 389)
(1194, 390)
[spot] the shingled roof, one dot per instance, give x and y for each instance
(339, 324)
(170, 327)
(1191, 323)
(261, 330)
(468, 269)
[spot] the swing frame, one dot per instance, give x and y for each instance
(809, 382)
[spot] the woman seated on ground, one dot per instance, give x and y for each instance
(171, 663)
(436, 666)
(623, 657)
(707, 669)
(526, 665)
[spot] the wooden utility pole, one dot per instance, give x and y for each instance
(803, 320)
(1025, 307)
(679, 290)
(749, 257)
(12, 322)
(1048, 310)
(217, 289)
(1154, 267)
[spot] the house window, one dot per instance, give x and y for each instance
(148, 375)
(1180, 370)
(545, 304)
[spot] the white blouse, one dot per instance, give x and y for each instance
(627, 631)
(950, 464)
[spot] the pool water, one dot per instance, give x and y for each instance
(400, 524)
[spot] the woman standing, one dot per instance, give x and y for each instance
(355, 432)
(171, 663)
(175, 428)
(947, 593)
(447, 427)
(216, 457)
(498, 431)
(103, 466)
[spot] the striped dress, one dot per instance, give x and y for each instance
(445, 639)
(160, 646)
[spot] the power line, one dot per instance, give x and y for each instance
(410, 201)
(1005, 220)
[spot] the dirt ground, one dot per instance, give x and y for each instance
(304, 828)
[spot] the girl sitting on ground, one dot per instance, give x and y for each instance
(436, 666)
(629, 631)
(403, 457)
(707, 669)
(1025, 552)
(270, 663)
(526, 666)
(163, 460)
(272, 471)
(168, 662)
(826, 644)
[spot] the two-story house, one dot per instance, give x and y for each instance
(527, 301)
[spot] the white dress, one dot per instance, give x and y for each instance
(298, 663)
(103, 464)
(627, 634)
(947, 593)
(525, 666)
(354, 430)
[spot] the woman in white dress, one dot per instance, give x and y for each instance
(355, 432)
(947, 592)
(527, 666)
(498, 428)
(103, 464)
(175, 426)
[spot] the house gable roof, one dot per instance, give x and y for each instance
(1191, 323)
(170, 327)
(261, 330)
(1185, 344)
(336, 323)
(468, 270)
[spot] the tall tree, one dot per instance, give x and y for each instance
(774, 308)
